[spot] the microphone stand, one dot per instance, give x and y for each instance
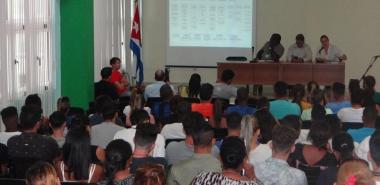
(369, 67)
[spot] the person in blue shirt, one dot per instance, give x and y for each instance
(282, 107)
(369, 120)
(339, 98)
(242, 103)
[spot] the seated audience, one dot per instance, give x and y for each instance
(353, 85)
(145, 137)
(276, 170)
(328, 52)
(314, 158)
(184, 171)
(103, 133)
(218, 120)
(281, 107)
(374, 155)
(343, 149)
(242, 103)
(105, 86)
(249, 132)
(295, 123)
(317, 99)
(118, 160)
(175, 130)
(299, 97)
(162, 111)
(42, 173)
(311, 87)
(78, 163)
(355, 112)
(194, 85)
(233, 126)
(369, 120)
(150, 174)
(97, 117)
(354, 172)
(205, 107)
(10, 119)
(224, 89)
(33, 100)
(127, 134)
(369, 83)
(153, 90)
(57, 122)
(29, 147)
(299, 52)
(136, 102)
(233, 156)
(117, 78)
(339, 100)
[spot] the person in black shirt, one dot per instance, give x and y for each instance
(104, 86)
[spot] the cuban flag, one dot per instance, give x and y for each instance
(135, 44)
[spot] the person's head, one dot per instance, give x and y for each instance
(275, 39)
(374, 149)
(242, 95)
(118, 158)
(30, 117)
(166, 92)
(150, 174)
(325, 42)
(232, 153)
(318, 113)
(115, 63)
(227, 76)
(311, 86)
(354, 172)
(63, 104)
(110, 110)
(353, 85)
(280, 89)
(250, 129)
(369, 116)
(283, 140)
(9, 116)
(194, 85)
(317, 97)
(300, 40)
(298, 93)
(191, 119)
(319, 134)
(357, 97)
(33, 100)
(202, 135)
(57, 120)
(105, 73)
(369, 82)
(335, 124)
(234, 121)
(137, 101)
(145, 137)
(293, 122)
(205, 92)
(100, 101)
(266, 122)
(343, 146)
(159, 75)
(338, 90)
(42, 173)
(139, 116)
(180, 111)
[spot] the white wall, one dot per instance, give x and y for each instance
(351, 24)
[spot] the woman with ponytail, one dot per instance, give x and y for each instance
(118, 160)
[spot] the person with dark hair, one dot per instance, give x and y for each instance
(162, 110)
(153, 90)
(150, 174)
(299, 52)
(242, 103)
(272, 50)
(313, 158)
(328, 52)
(317, 100)
(117, 78)
(97, 117)
(310, 87)
(369, 83)
(374, 155)
(184, 171)
(281, 107)
(9, 116)
(276, 170)
(194, 85)
(343, 149)
(63, 105)
(78, 163)
(295, 123)
(236, 169)
(355, 112)
(339, 98)
(57, 122)
(104, 86)
(138, 117)
(103, 133)
(145, 137)
(369, 120)
(118, 160)
(29, 145)
(175, 130)
(205, 107)
(33, 100)
(299, 97)
(234, 124)
(42, 173)
(223, 89)
(353, 85)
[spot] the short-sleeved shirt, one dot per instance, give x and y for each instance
(116, 76)
(336, 106)
(104, 87)
(242, 110)
(173, 131)
(304, 52)
(332, 55)
(350, 114)
(103, 133)
(282, 108)
(360, 134)
(224, 91)
(306, 114)
(206, 109)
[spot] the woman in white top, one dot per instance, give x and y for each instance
(137, 102)
(328, 52)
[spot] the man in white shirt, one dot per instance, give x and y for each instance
(10, 119)
(299, 52)
(328, 52)
(355, 112)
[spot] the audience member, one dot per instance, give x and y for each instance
(145, 137)
(176, 130)
(281, 107)
(353, 85)
(105, 86)
(311, 87)
(103, 133)
(234, 124)
(117, 78)
(334, 123)
(276, 170)
(218, 120)
(3, 160)
(317, 99)
(224, 89)
(339, 101)
(150, 174)
(10, 119)
(369, 83)
(299, 52)
(118, 160)
(42, 173)
(57, 122)
(162, 111)
(184, 171)
(299, 97)
(242, 103)
(249, 132)
(295, 123)
(205, 107)
(355, 112)
(328, 52)
(374, 155)
(153, 90)
(194, 85)
(369, 120)
(137, 102)
(97, 117)
(354, 172)
(233, 156)
(141, 117)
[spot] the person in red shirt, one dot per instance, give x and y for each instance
(117, 78)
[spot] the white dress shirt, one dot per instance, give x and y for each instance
(332, 55)
(305, 52)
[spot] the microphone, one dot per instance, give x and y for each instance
(376, 56)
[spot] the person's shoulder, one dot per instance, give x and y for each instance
(124, 133)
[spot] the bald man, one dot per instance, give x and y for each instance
(153, 90)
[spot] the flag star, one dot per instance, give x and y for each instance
(135, 27)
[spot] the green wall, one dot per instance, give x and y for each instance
(77, 51)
